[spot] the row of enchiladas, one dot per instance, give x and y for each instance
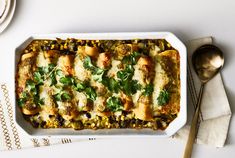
(95, 84)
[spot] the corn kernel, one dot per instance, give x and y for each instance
(65, 46)
(122, 118)
(93, 125)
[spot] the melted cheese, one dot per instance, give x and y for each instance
(23, 72)
(49, 105)
(80, 72)
(114, 69)
(41, 61)
(136, 96)
(160, 80)
(45, 92)
(154, 52)
(81, 100)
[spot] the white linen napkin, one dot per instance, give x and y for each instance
(215, 110)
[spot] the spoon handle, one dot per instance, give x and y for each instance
(192, 132)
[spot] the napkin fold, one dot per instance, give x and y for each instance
(215, 111)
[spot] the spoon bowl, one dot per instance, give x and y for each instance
(207, 62)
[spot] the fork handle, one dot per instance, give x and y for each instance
(192, 132)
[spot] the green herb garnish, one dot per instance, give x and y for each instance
(130, 87)
(148, 90)
(38, 77)
(114, 104)
(21, 102)
(38, 101)
(126, 83)
(126, 74)
(80, 86)
(112, 84)
(91, 94)
(62, 96)
(131, 59)
(42, 73)
(163, 97)
(98, 76)
(97, 72)
(31, 86)
(67, 80)
(87, 64)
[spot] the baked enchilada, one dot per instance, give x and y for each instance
(96, 84)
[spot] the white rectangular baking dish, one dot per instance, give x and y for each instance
(170, 130)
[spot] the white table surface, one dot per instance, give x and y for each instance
(187, 19)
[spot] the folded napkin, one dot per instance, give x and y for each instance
(215, 111)
(213, 127)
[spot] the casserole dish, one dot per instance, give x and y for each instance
(177, 123)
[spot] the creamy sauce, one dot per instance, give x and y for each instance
(41, 61)
(80, 72)
(114, 69)
(139, 75)
(82, 100)
(160, 80)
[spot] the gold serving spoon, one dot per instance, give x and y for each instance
(207, 61)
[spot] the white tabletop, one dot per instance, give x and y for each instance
(187, 19)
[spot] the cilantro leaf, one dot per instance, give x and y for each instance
(131, 59)
(163, 97)
(67, 80)
(114, 104)
(59, 73)
(53, 79)
(91, 94)
(21, 102)
(38, 77)
(87, 64)
(130, 86)
(126, 74)
(98, 76)
(126, 83)
(111, 84)
(97, 72)
(148, 90)
(39, 101)
(62, 96)
(79, 86)
(31, 86)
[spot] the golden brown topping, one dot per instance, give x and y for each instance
(27, 55)
(30, 109)
(65, 62)
(51, 53)
(104, 60)
(91, 51)
(144, 61)
(123, 50)
(143, 110)
(69, 112)
(127, 102)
